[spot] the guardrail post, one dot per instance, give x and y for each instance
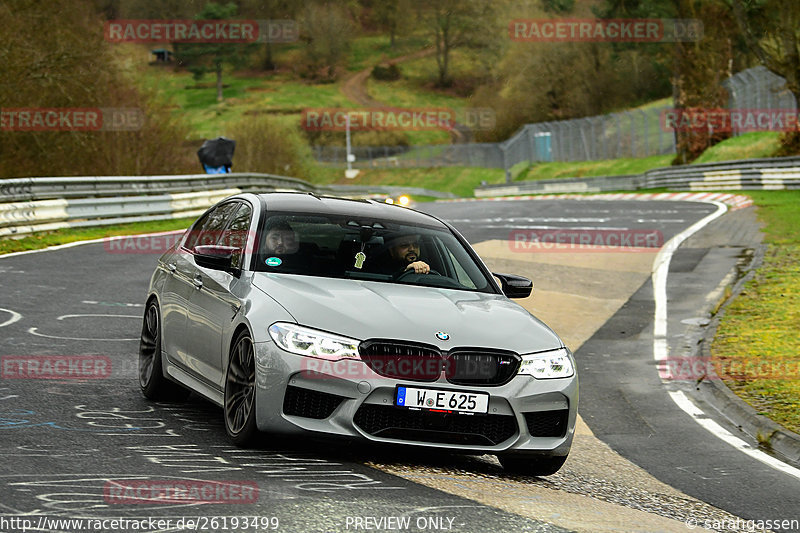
(505, 164)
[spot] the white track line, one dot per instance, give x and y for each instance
(699, 416)
(90, 241)
(14, 317)
(661, 348)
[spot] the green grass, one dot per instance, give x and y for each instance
(283, 93)
(207, 118)
(366, 52)
(760, 325)
(611, 167)
(53, 238)
(746, 146)
(415, 90)
(460, 181)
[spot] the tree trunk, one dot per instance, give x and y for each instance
(679, 102)
(219, 82)
(445, 53)
(268, 63)
(438, 41)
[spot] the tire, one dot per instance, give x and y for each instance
(240, 392)
(151, 374)
(532, 465)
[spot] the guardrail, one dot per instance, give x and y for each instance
(753, 174)
(28, 205)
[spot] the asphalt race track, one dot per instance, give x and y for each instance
(67, 445)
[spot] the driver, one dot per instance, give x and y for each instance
(404, 254)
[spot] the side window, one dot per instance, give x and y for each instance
(237, 232)
(209, 231)
(194, 232)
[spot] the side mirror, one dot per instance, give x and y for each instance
(514, 286)
(216, 258)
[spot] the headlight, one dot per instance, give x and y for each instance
(548, 365)
(313, 343)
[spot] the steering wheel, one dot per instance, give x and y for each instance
(406, 272)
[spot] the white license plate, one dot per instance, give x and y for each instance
(446, 400)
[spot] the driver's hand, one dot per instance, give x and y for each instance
(419, 267)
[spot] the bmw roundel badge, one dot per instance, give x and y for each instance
(442, 336)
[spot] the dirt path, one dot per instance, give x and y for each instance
(355, 89)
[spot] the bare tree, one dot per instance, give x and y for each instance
(392, 16)
(327, 30)
(201, 58)
(455, 24)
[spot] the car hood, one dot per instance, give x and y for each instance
(369, 309)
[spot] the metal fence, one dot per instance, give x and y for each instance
(758, 88)
(779, 173)
(636, 133)
(488, 155)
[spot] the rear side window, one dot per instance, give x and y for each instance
(208, 230)
(237, 232)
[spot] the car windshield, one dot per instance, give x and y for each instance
(371, 250)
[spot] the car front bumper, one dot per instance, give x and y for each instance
(297, 394)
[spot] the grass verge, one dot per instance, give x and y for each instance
(758, 333)
(53, 238)
(460, 181)
(578, 169)
(746, 146)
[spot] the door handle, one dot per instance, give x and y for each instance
(172, 268)
(197, 282)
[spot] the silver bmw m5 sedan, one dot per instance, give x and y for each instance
(298, 313)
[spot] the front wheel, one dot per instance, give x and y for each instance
(240, 392)
(532, 465)
(152, 382)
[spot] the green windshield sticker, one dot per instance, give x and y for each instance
(274, 261)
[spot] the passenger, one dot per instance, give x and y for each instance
(281, 239)
(282, 250)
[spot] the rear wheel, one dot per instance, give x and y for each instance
(151, 375)
(531, 465)
(240, 392)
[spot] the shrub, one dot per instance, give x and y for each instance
(789, 144)
(264, 144)
(386, 73)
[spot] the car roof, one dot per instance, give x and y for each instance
(368, 209)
